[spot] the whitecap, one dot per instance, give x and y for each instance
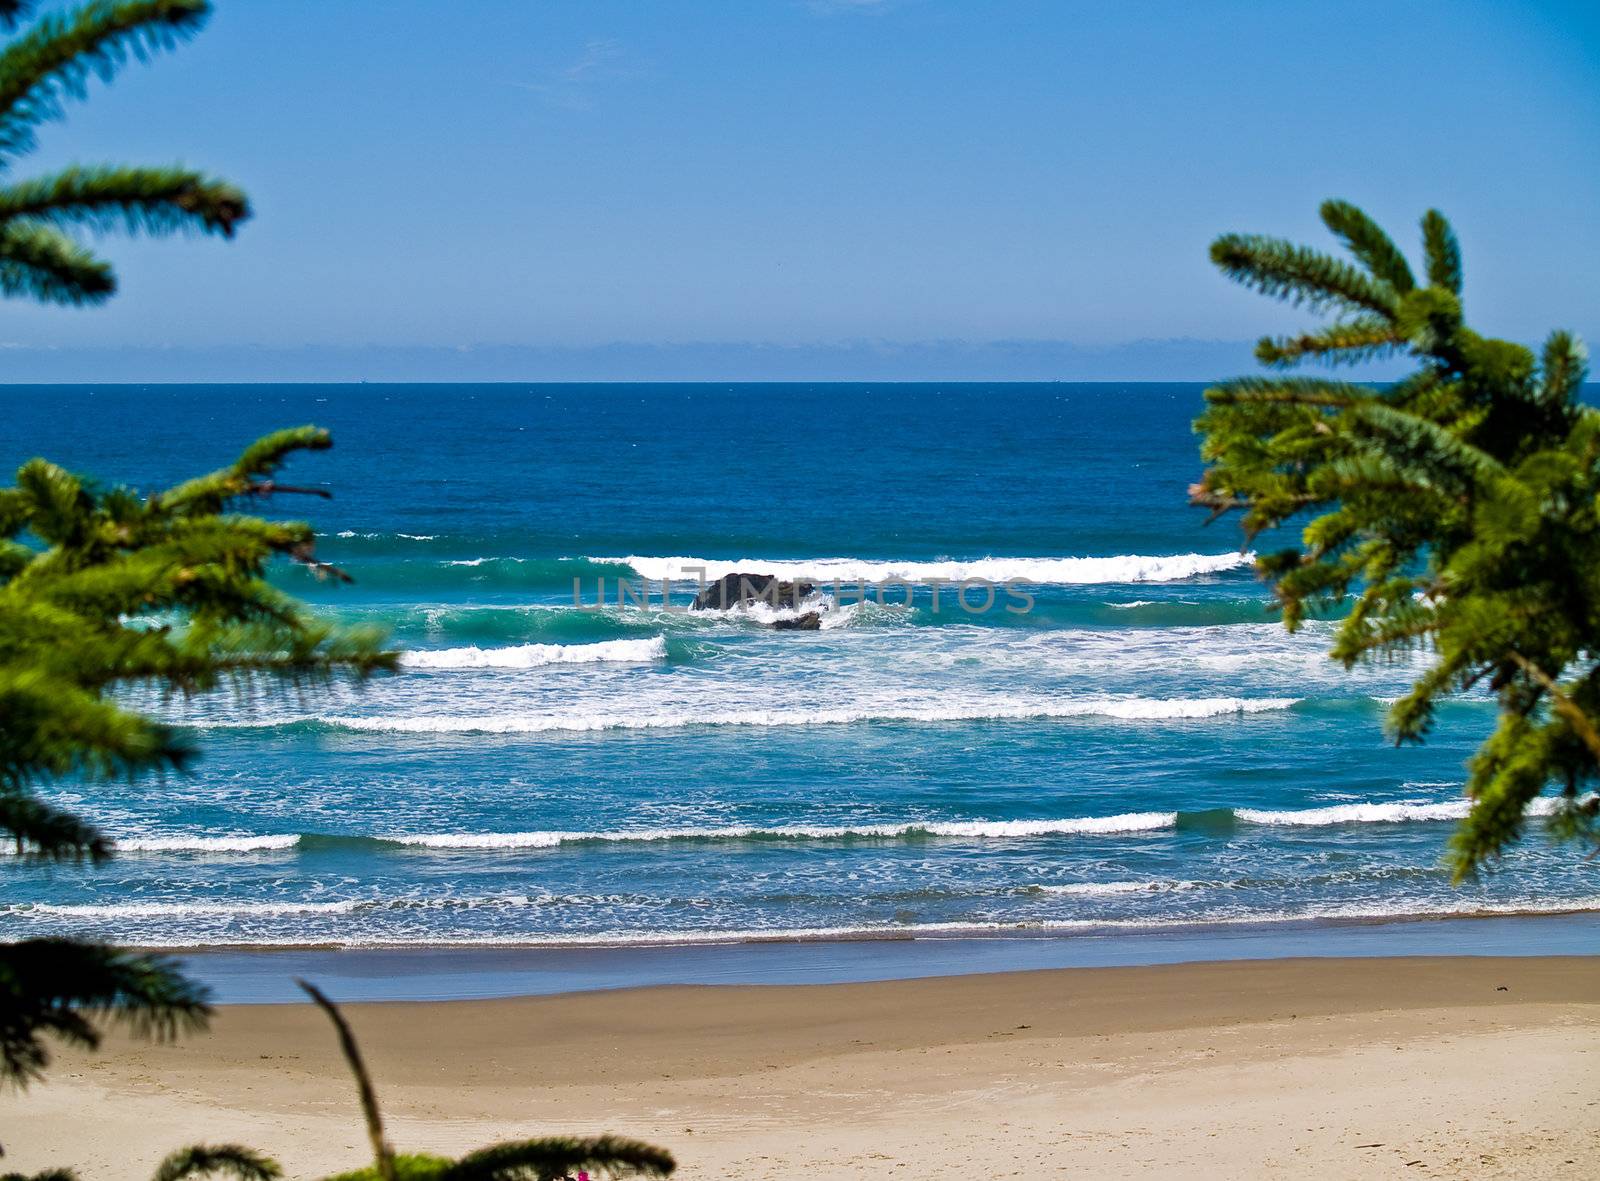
(537, 655)
(1399, 812)
(1123, 568)
(995, 829)
(1121, 709)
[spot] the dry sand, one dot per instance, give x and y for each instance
(1439, 1067)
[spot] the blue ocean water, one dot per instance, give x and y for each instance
(1142, 748)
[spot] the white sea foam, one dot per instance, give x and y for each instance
(1402, 910)
(1125, 822)
(1393, 813)
(179, 910)
(205, 844)
(1000, 829)
(1047, 571)
(1121, 709)
(1106, 889)
(348, 533)
(536, 655)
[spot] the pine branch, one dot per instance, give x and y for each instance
(53, 503)
(382, 1153)
(1432, 445)
(1350, 343)
(1298, 275)
(46, 833)
(211, 493)
(202, 1160)
(54, 60)
(51, 728)
(1581, 723)
(60, 987)
(247, 654)
(1505, 775)
(1443, 251)
(1364, 239)
(1565, 365)
(555, 1157)
(1293, 391)
(155, 201)
(1458, 507)
(41, 262)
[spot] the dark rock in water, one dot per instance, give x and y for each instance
(809, 622)
(734, 590)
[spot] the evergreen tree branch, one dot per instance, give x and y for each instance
(53, 503)
(1563, 704)
(1350, 343)
(1298, 275)
(44, 832)
(1366, 240)
(202, 1160)
(42, 263)
(382, 1153)
(1565, 365)
(1297, 391)
(54, 60)
(1459, 508)
(50, 728)
(1433, 447)
(153, 201)
(209, 494)
(59, 987)
(1443, 251)
(554, 1157)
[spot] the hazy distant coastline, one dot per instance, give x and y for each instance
(696, 361)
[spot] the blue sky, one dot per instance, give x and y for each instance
(549, 177)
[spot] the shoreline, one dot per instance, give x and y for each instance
(1070, 929)
(255, 974)
(1343, 1067)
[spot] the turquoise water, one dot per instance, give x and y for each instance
(1141, 750)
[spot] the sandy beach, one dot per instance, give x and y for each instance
(1445, 1067)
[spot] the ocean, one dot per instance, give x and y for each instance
(1123, 742)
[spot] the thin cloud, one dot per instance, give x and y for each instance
(571, 87)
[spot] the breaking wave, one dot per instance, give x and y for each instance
(1401, 911)
(536, 655)
(1121, 709)
(1109, 889)
(203, 844)
(1396, 813)
(1217, 820)
(1127, 822)
(1045, 571)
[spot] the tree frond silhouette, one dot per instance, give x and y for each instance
(1455, 512)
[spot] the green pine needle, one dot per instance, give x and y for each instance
(1456, 512)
